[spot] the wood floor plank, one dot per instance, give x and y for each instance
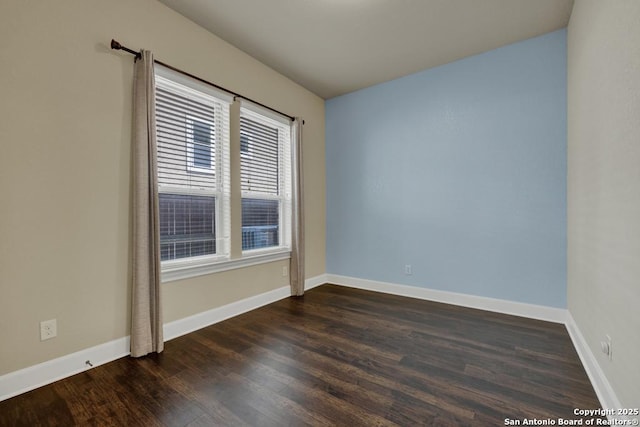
(337, 356)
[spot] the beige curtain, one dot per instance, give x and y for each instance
(296, 265)
(146, 307)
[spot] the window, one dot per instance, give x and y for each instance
(194, 179)
(265, 174)
(193, 170)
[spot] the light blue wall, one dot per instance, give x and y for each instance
(460, 171)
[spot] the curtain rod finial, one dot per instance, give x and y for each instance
(117, 46)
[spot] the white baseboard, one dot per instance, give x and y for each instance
(189, 324)
(198, 321)
(603, 389)
(540, 312)
(18, 382)
(315, 282)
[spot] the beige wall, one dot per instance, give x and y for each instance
(604, 185)
(65, 126)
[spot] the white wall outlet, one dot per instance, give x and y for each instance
(285, 271)
(48, 329)
(407, 270)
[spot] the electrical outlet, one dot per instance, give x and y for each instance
(407, 270)
(48, 329)
(285, 271)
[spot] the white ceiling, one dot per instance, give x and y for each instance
(332, 47)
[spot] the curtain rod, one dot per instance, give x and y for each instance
(117, 46)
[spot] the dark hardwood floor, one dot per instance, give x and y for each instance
(337, 356)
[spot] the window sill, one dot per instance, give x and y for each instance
(187, 270)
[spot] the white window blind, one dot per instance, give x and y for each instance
(265, 174)
(192, 123)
